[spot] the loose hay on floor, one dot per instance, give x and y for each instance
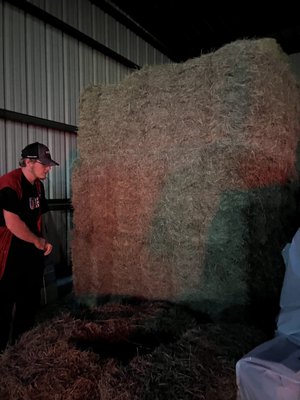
(197, 364)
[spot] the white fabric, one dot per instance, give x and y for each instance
(271, 371)
(289, 317)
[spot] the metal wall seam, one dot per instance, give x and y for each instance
(86, 77)
(55, 78)
(69, 12)
(15, 138)
(2, 100)
(99, 68)
(56, 141)
(55, 8)
(39, 3)
(36, 67)
(98, 24)
(71, 156)
(150, 55)
(14, 59)
(85, 17)
(71, 79)
(142, 52)
(123, 41)
(3, 154)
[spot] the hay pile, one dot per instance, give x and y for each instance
(72, 356)
(184, 187)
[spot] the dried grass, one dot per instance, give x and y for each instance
(66, 357)
(185, 185)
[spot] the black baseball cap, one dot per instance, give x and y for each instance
(38, 151)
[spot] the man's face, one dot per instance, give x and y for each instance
(37, 169)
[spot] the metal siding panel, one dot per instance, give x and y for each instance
(99, 66)
(16, 138)
(112, 75)
(158, 57)
(33, 133)
(69, 238)
(142, 52)
(123, 41)
(20, 141)
(124, 71)
(99, 30)
(85, 66)
(150, 55)
(42, 136)
(60, 154)
(71, 79)
(54, 7)
(2, 147)
(57, 148)
(1, 57)
(55, 79)
(133, 47)
(85, 17)
(38, 3)
(10, 147)
(14, 59)
(111, 33)
(166, 60)
(70, 14)
(36, 67)
(71, 156)
(54, 174)
(295, 64)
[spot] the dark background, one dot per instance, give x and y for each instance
(187, 29)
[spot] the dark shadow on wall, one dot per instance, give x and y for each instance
(245, 272)
(250, 267)
(238, 269)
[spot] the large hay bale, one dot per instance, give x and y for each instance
(184, 188)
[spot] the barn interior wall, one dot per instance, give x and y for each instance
(42, 74)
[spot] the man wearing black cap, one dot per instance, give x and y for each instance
(22, 245)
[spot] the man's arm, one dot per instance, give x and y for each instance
(20, 229)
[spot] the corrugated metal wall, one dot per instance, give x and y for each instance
(43, 69)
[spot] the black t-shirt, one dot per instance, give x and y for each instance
(31, 205)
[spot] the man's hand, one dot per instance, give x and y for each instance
(48, 248)
(19, 229)
(42, 244)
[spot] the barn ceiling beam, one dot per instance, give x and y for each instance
(36, 121)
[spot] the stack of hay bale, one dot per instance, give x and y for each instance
(184, 188)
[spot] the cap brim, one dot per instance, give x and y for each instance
(53, 163)
(50, 163)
